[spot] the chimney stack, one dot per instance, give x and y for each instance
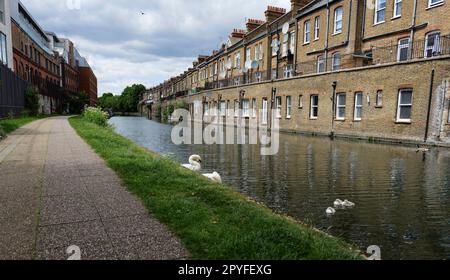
(238, 33)
(298, 4)
(252, 24)
(202, 58)
(273, 13)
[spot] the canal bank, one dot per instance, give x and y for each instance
(212, 221)
(401, 195)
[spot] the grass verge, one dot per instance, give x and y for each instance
(9, 125)
(213, 222)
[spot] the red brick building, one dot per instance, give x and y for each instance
(88, 83)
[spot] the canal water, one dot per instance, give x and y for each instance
(402, 197)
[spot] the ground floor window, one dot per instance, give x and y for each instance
(223, 108)
(254, 108)
(404, 109)
(379, 101)
(278, 106)
(314, 114)
(300, 102)
(246, 108)
(340, 106)
(206, 109)
(236, 108)
(358, 106)
(264, 111)
(288, 107)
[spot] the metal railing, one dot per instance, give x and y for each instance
(419, 49)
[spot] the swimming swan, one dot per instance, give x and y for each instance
(338, 203)
(194, 163)
(215, 177)
(348, 204)
(330, 211)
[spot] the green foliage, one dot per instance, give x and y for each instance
(126, 102)
(96, 116)
(32, 101)
(78, 101)
(182, 104)
(211, 220)
(158, 111)
(2, 133)
(9, 125)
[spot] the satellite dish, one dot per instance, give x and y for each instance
(255, 64)
(285, 29)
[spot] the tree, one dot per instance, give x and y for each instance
(32, 101)
(126, 102)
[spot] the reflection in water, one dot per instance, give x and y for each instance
(401, 196)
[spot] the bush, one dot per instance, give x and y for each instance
(32, 101)
(96, 116)
(2, 133)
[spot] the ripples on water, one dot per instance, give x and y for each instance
(401, 196)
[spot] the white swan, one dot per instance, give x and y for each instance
(330, 211)
(194, 163)
(215, 177)
(423, 150)
(338, 203)
(348, 204)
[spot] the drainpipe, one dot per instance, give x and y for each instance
(430, 100)
(297, 36)
(333, 110)
(278, 53)
(413, 25)
(327, 33)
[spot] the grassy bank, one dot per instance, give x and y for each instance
(212, 221)
(9, 125)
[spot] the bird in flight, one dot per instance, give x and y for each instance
(142, 13)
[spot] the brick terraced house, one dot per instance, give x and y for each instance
(376, 70)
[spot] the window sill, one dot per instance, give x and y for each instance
(306, 43)
(313, 119)
(403, 122)
(340, 120)
(378, 107)
(396, 17)
(336, 33)
(435, 6)
(378, 23)
(357, 121)
(288, 118)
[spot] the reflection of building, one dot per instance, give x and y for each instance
(339, 67)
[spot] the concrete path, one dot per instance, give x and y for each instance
(55, 192)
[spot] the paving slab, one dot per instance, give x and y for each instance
(56, 192)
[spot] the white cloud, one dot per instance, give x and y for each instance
(124, 47)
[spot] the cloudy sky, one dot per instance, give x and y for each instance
(125, 47)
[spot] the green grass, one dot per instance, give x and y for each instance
(9, 125)
(213, 222)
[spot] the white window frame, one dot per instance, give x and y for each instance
(292, 42)
(321, 61)
(358, 95)
(245, 108)
(313, 106)
(427, 48)
(278, 104)
(264, 111)
(317, 28)
(378, 9)
(434, 3)
(339, 106)
(288, 71)
(336, 66)
(288, 107)
(400, 105)
(223, 108)
(379, 99)
(338, 19)
(398, 5)
(248, 54)
(236, 108)
(261, 51)
(401, 46)
(307, 32)
(258, 77)
(254, 108)
(300, 101)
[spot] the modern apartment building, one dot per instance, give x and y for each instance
(362, 69)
